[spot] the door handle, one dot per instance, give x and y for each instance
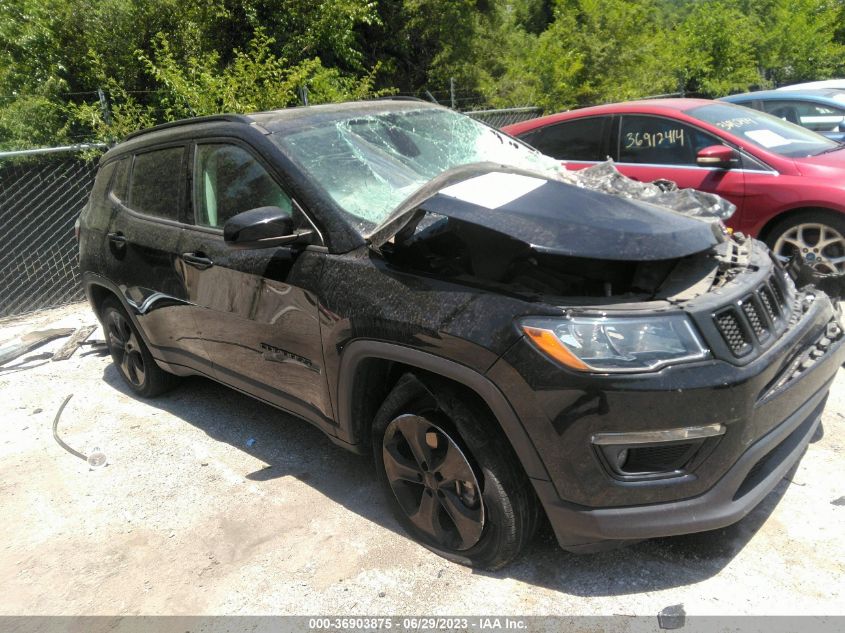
(197, 260)
(118, 238)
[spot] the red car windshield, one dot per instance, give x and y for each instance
(764, 130)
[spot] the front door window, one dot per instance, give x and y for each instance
(228, 181)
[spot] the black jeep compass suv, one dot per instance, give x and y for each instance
(506, 343)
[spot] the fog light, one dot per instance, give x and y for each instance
(652, 454)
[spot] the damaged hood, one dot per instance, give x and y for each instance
(553, 217)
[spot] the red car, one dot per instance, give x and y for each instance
(788, 183)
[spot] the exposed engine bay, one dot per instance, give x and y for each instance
(455, 250)
(558, 241)
(554, 239)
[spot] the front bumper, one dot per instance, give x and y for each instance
(736, 494)
(769, 409)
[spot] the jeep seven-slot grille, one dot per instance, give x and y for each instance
(769, 302)
(753, 319)
(777, 292)
(758, 325)
(733, 332)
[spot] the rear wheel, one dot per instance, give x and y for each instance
(818, 236)
(450, 476)
(130, 354)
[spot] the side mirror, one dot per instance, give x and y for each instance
(720, 156)
(264, 227)
(841, 127)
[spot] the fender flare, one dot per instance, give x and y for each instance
(89, 280)
(359, 350)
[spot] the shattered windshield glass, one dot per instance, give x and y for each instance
(763, 130)
(370, 164)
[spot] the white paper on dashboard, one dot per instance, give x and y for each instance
(767, 138)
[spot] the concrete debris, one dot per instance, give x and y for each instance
(672, 617)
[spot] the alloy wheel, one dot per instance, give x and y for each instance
(126, 348)
(433, 482)
(821, 246)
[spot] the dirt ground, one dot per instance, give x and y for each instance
(213, 503)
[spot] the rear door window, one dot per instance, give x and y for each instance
(582, 139)
(658, 141)
(156, 186)
(229, 180)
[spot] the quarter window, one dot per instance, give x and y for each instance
(120, 182)
(228, 181)
(102, 182)
(659, 141)
(157, 183)
(572, 140)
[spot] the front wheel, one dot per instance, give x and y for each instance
(451, 477)
(818, 236)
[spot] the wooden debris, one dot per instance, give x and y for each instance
(73, 343)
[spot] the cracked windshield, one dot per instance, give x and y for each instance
(370, 164)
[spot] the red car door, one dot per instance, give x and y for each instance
(652, 147)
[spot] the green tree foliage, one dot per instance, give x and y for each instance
(592, 51)
(799, 40)
(596, 51)
(717, 44)
(542, 69)
(255, 79)
(160, 59)
(156, 60)
(425, 43)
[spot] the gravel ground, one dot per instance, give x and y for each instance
(213, 503)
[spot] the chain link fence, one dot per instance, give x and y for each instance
(505, 116)
(40, 198)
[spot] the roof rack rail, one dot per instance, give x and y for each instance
(231, 118)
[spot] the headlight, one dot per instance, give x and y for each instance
(616, 344)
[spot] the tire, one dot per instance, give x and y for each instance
(805, 233)
(130, 355)
(484, 484)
